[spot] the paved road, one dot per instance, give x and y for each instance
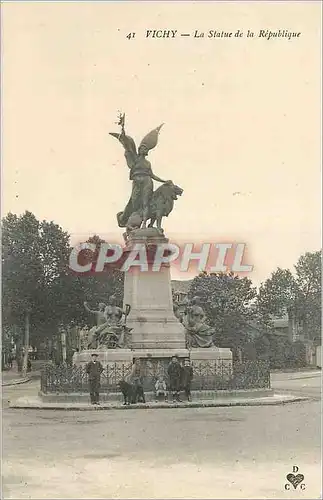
(301, 383)
(242, 452)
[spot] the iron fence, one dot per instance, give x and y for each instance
(206, 376)
(251, 375)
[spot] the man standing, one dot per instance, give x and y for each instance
(94, 370)
(187, 376)
(175, 375)
(136, 378)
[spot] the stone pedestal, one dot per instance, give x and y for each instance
(106, 358)
(212, 354)
(149, 293)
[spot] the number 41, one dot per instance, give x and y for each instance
(130, 35)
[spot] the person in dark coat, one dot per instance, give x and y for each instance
(94, 370)
(175, 375)
(187, 376)
(136, 378)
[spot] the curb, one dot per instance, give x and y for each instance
(16, 381)
(81, 399)
(153, 406)
(305, 377)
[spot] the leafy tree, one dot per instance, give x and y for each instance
(309, 289)
(38, 286)
(35, 277)
(21, 271)
(54, 253)
(277, 295)
(298, 295)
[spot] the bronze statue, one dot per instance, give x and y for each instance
(198, 332)
(100, 323)
(112, 312)
(111, 331)
(116, 333)
(141, 205)
(161, 204)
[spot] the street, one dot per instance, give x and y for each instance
(241, 452)
(307, 384)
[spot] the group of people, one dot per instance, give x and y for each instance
(179, 379)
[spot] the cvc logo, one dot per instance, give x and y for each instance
(295, 479)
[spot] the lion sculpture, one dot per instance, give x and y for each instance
(161, 205)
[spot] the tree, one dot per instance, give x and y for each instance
(309, 289)
(227, 301)
(298, 295)
(21, 273)
(35, 278)
(277, 295)
(39, 289)
(54, 250)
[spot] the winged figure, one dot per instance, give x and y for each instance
(141, 173)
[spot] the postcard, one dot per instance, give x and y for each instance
(161, 249)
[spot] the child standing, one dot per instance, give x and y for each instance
(175, 375)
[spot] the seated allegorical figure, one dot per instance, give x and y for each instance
(111, 330)
(100, 323)
(198, 332)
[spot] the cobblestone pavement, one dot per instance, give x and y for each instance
(242, 452)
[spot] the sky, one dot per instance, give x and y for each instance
(242, 116)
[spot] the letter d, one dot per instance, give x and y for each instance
(295, 468)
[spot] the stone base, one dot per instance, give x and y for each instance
(211, 353)
(160, 353)
(122, 356)
(222, 355)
